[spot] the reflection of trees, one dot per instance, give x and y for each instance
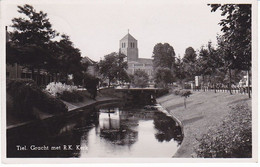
(118, 130)
(167, 129)
(53, 132)
(121, 136)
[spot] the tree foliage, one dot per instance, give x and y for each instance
(236, 43)
(140, 79)
(33, 45)
(113, 67)
(179, 72)
(163, 56)
(34, 28)
(163, 76)
(237, 32)
(189, 64)
(69, 55)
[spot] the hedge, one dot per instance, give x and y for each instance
(73, 96)
(232, 138)
(27, 96)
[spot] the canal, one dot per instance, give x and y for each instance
(105, 131)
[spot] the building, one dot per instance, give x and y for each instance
(128, 45)
(91, 66)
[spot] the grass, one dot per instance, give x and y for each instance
(204, 110)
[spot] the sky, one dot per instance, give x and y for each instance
(95, 27)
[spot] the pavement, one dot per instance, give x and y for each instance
(204, 110)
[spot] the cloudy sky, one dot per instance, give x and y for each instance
(95, 27)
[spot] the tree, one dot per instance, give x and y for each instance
(140, 79)
(163, 76)
(189, 64)
(179, 73)
(209, 64)
(31, 37)
(163, 56)
(70, 57)
(237, 34)
(113, 67)
(225, 50)
(190, 55)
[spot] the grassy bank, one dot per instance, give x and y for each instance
(204, 111)
(27, 103)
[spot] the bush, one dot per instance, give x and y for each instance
(73, 96)
(181, 92)
(232, 139)
(56, 88)
(140, 79)
(27, 97)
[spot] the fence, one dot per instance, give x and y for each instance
(241, 90)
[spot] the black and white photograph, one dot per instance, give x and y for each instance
(128, 80)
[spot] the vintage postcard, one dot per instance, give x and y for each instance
(129, 81)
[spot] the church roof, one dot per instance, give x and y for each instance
(145, 61)
(128, 37)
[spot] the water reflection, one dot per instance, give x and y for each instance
(106, 132)
(166, 132)
(114, 126)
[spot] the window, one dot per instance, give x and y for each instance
(133, 45)
(122, 45)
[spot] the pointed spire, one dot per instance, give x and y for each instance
(128, 31)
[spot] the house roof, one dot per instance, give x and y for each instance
(87, 59)
(128, 37)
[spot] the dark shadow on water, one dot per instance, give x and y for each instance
(167, 129)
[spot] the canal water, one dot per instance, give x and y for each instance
(108, 131)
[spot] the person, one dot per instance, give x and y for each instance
(91, 86)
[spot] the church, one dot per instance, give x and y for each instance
(128, 45)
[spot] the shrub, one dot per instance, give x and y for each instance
(140, 79)
(73, 96)
(27, 96)
(56, 88)
(232, 139)
(181, 92)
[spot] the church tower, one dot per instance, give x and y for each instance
(128, 46)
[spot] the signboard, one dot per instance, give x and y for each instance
(196, 80)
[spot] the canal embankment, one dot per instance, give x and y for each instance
(73, 108)
(204, 111)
